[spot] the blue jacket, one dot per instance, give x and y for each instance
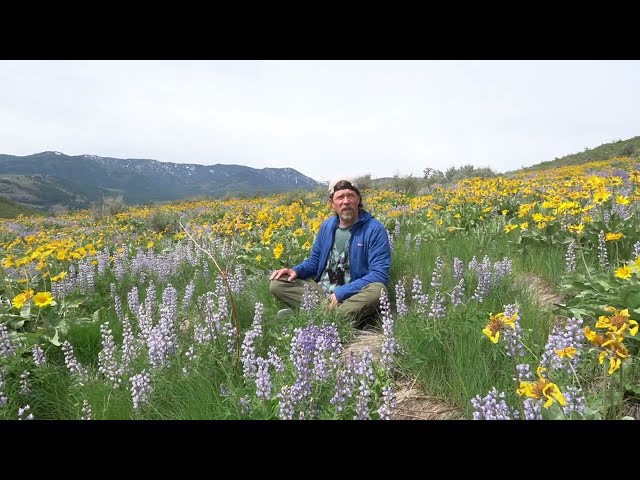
(369, 254)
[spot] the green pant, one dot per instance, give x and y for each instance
(363, 305)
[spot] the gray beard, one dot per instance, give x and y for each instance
(346, 217)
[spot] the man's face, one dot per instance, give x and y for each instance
(345, 204)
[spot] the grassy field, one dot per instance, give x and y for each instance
(509, 298)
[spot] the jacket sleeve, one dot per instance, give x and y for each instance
(309, 267)
(379, 257)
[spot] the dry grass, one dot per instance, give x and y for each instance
(538, 289)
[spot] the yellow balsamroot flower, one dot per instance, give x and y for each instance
(43, 299)
(306, 245)
(509, 227)
(504, 212)
(60, 276)
(624, 272)
(277, 250)
(498, 323)
(615, 351)
(7, 261)
(618, 322)
(298, 232)
(601, 195)
(524, 225)
(613, 236)
(576, 228)
(594, 337)
(22, 298)
(150, 244)
(622, 200)
(542, 388)
(568, 352)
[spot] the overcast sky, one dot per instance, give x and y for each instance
(320, 117)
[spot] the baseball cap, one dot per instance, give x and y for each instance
(343, 182)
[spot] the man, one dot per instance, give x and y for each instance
(349, 262)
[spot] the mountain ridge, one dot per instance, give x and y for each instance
(50, 178)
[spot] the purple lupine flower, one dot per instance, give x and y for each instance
(401, 303)
(473, 264)
(140, 389)
(188, 295)
(86, 276)
(208, 332)
(391, 239)
(458, 269)
(245, 404)
(501, 269)
(25, 385)
(418, 241)
(396, 229)
(345, 383)
(364, 370)
(287, 403)
(457, 294)
(362, 403)
(22, 411)
(326, 352)
(636, 249)
(492, 407)
(513, 336)
(117, 302)
(524, 372)
(388, 403)
(532, 409)
(237, 280)
(86, 410)
(3, 396)
(576, 401)
(75, 368)
(191, 356)
(163, 341)
(565, 337)
(315, 355)
(248, 355)
(570, 257)
(120, 263)
(603, 258)
(103, 261)
(310, 298)
(275, 360)
(6, 347)
(421, 299)
(389, 344)
(263, 379)
(436, 277)
(133, 300)
(107, 358)
(407, 242)
(130, 346)
(39, 357)
(484, 279)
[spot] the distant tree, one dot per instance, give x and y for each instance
(107, 207)
(364, 182)
(628, 150)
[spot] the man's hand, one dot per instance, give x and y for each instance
(333, 301)
(284, 271)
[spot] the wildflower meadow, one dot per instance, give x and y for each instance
(514, 297)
